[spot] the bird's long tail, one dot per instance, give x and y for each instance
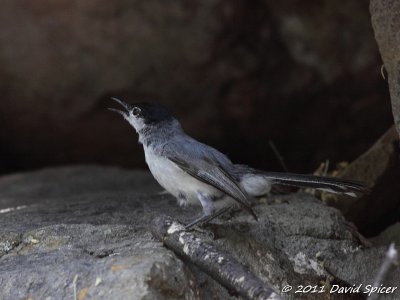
(257, 182)
(348, 187)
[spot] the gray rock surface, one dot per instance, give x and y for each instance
(386, 24)
(84, 230)
(379, 168)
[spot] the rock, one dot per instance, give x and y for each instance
(108, 262)
(379, 168)
(385, 21)
(232, 71)
(64, 233)
(86, 228)
(320, 47)
(389, 235)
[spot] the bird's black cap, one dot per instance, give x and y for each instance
(151, 113)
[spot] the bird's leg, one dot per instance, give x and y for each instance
(209, 212)
(207, 218)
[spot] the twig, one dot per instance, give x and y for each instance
(326, 168)
(391, 260)
(383, 71)
(278, 155)
(74, 286)
(219, 265)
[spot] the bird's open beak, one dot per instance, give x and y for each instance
(124, 105)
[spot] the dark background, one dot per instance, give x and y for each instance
(304, 74)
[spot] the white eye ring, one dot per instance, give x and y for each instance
(136, 111)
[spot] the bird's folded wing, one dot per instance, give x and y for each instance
(210, 172)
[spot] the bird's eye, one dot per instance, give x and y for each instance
(136, 111)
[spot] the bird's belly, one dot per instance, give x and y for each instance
(177, 182)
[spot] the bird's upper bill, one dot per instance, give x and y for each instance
(125, 105)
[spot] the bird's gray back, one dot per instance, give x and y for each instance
(189, 149)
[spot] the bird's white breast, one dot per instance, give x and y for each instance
(175, 180)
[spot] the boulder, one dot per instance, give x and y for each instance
(84, 232)
(236, 73)
(385, 21)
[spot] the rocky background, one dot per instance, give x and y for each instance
(306, 75)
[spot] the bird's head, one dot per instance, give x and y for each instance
(143, 115)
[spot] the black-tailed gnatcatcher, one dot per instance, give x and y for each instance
(196, 173)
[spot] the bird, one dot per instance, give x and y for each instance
(198, 174)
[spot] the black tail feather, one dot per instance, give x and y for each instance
(331, 184)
